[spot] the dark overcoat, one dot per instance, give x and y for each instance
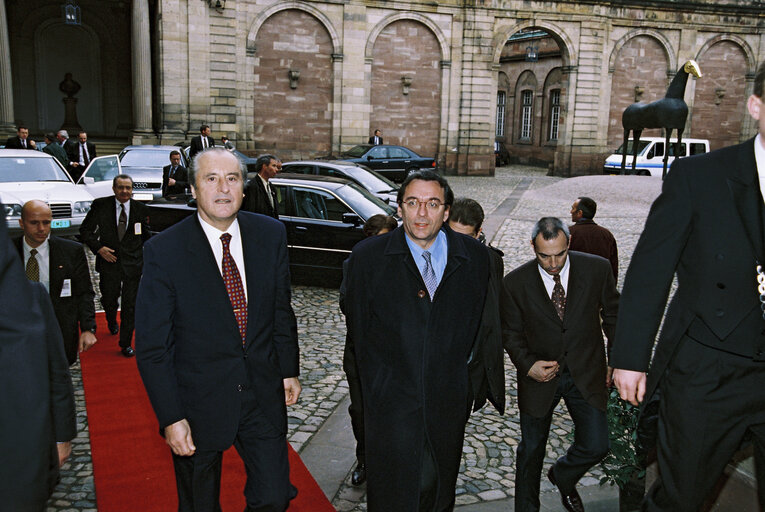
(412, 357)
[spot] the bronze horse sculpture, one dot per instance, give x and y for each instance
(669, 113)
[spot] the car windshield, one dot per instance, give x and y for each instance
(641, 147)
(356, 151)
(145, 158)
(364, 202)
(15, 169)
(374, 181)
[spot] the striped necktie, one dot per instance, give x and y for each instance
(429, 275)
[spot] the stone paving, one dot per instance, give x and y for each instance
(487, 469)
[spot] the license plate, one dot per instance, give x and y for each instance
(60, 223)
(143, 197)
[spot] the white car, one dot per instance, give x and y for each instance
(650, 158)
(27, 175)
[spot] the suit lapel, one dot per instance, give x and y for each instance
(745, 191)
(575, 291)
(252, 253)
(397, 247)
(111, 223)
(538, 293)
(55, 268)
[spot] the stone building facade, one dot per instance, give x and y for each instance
(445, 78)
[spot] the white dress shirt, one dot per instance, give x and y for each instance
(549, 282)
(127, 210)
(759, 158)
(213, 235)
(43, 260)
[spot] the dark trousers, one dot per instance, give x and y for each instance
(356, 409)
(709, 400)
(590, 446)
(113, 283)
(264, 452)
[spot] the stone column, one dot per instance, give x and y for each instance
(7, 117)
(141, 52)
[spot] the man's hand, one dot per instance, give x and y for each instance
(64, 451)
(178, 436)
(32, 144)
(631, 385)
(544, 371)
(292, 390)
(107, 254)
(87, 340)
(171, 181)
(609, 376)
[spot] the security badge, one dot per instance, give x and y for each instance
(761, 288)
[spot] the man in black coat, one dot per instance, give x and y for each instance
(61, 266)
(174, 176)
(115, 229)
(413, 304)
(587, 236)
(201, 141)
(80, 154)
(260, 197)
(706, 227)
(54, 149)
(21, 140)
(376, 139)
(36, 395)
(555, 309)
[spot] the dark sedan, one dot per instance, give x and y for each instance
(393, 162)
(323, 217)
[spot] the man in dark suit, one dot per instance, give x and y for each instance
(376, 139)
(37, 399)
(55, 150)
(60, 265)
(413, 307)
(174, 176)
(21, 140)
(115, 229)
(80, 154)
(217, 341)
(586, 236)
(201, 141)
(260, 197)
(709, 363)
(552, 309)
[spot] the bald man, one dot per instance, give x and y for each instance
(60, 265)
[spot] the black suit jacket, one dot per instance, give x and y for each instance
(15, 143)
(587, 236)
(256, 199)
(196, 145)
(33, 388)
(76, 312)
(532, 330)
(412, 356)
(100, 229)
(187, 341)
(706, 227)
(181, 180)
(73, 151)
(372, 140)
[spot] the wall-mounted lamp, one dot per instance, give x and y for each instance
(294, 76)
(532, 53)
(639, 90)
(217, 4)
(719, 95)
(71, 13)
(406, 82)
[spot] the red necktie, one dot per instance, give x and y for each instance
(234, 287)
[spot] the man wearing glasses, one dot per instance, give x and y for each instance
(414, 302)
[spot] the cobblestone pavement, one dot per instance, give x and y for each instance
(487, 469)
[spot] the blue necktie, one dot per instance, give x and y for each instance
(429, 275)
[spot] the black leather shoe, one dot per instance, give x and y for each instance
(128, 351)
(359, 475)
(114, 328)
(571, 502)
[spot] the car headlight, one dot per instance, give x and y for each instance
(82, 206)
(12, 211)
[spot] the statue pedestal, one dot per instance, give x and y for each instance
(70, 124)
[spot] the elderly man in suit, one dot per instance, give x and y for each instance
(54, 149)
(60, 265)
(37, 399)
(260, 197)
(21, 140)
(707, 227)
(80, 154)
(376, 139)
(587, 236)
(555, 309)
(201, 141)
(414, 369)
(115, 229)
(217, 341)
(174, 176)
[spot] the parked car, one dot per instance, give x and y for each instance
(371, 180)
(249, 161)
(27, 175)
(324, 217)
(650, 158)
(393, 162)
(501, 154)
(142, 163)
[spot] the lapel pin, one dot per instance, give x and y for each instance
(421, 294)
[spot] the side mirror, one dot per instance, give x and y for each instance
(88, 180)
(351, 218)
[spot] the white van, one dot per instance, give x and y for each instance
(650, 158)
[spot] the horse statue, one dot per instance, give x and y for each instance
(669, 113)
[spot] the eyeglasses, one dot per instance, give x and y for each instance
(430, 204)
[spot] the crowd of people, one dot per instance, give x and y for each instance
(430, 314)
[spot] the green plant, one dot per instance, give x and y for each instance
(624, 461)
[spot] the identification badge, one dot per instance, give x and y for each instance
(66, 288)
(137, 228)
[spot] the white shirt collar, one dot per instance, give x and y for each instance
(548, 280)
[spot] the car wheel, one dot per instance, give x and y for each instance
(644, 172)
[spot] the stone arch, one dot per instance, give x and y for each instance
(564, 41)
(751, 60)
(375, 32)
(262, 16)
(655, 34)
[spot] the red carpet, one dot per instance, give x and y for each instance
(132, 466)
